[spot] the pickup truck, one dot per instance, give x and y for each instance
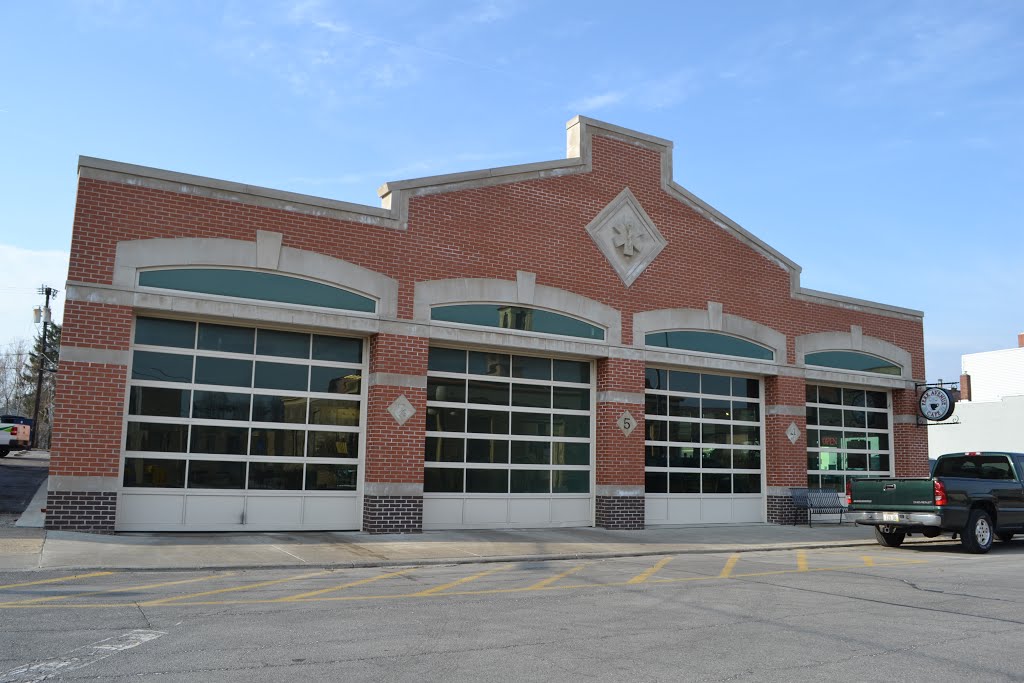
(15, 433)
(976, 495)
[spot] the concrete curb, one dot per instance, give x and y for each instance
(496, 559)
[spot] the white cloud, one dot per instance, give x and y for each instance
(598, 101)
(25, 270)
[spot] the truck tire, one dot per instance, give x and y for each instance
(890, 539)
(977, 535)
(4, 450)
(1004, 536)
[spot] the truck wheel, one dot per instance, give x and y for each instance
(977, 535)
(4, 451)
(1004, 536)
(890, 539)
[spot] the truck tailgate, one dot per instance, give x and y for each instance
(891, 494)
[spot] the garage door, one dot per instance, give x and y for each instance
(508, 441)
(233, 427)
(704, 453)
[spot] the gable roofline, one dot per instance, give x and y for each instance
(395, 195)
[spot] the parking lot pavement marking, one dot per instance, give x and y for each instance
(80, 658)
(801, 560)
(63, 578)
(351, 584)
(868, 561)
(248, 586)
(540, 585)
(459, 582)
(643, 576)
(729, 564)
(107, 591)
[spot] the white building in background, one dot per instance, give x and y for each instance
(990, 414)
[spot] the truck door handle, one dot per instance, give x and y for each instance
(889, 487)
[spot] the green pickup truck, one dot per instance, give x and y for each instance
(978, 495)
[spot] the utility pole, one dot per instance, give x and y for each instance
(45, 315)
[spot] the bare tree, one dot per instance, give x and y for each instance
(14, 386)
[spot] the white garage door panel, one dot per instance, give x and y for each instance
(571, 512)
(151, 509)
(529, 511)
(273, 512)
(327, 512)
(684, 511)
(442, 513)
(485, 511)
(214, 510)
(716, 511)
(747, 510)
(655, 510)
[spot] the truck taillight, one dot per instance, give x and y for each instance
(849, 492)
(940, 493)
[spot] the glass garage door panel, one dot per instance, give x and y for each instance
(224, 418)
(508, 441)
(704, 447)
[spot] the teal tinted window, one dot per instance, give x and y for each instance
(852, 360)
(709, 342)
(165, 332)
(161, 367)
(225, 338)
(516, 318)
(250, 284)
(337, 349)
(288, 344)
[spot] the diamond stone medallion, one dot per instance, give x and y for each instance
(401, 409)
(626, 422)
(793, 432)
(626, 236)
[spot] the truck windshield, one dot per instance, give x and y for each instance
(990, 466)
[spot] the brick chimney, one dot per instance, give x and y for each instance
(1020, 340)
(965, 387)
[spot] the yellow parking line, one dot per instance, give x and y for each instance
(164, 601)
(801, 560)
(125, 589)
(459, 582)
(63, 578)
(303, 596)
(640, 578)
(730, 563)
(547, 582)
(868, 561)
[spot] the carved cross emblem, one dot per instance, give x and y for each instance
(627, 238)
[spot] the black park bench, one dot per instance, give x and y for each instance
(818, 501)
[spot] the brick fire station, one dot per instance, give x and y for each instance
(580, 342)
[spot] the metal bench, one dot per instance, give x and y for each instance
(799, 499)
(824, 502)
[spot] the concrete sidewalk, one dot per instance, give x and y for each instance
(26, 548)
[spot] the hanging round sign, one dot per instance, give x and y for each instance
(936, 404)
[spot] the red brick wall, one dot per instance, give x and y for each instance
(910, 440)
(619, 458)
(87, 421)
(397, 450)
(491, 232)
(536, 225)
(786, 462)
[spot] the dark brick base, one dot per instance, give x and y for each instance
(620, 512)
(393, 514)
(782, 511)
(81, 511)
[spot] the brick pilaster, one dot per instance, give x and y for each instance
(785, 460)
(910, 441)
(620, 458)
(393, 484)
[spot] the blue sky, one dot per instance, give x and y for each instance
(877, 144)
